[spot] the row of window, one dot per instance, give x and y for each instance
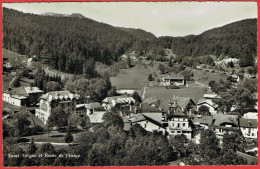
(178, 125)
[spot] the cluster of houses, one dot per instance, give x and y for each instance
(176, 116)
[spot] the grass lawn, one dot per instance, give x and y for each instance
(54, 137)
(195, 93)
(205, 77)
(133, 77)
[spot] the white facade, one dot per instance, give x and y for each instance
(249, 132)
(149, 126)
(178, 126)
(14, 99)
(44, 111)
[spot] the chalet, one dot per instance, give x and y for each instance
(224, 124)
(149, 121)
(170, 80)
(186, 104)
(51, 100)
(208, 103)
(121, 103)
(178, 122)
(249, 127)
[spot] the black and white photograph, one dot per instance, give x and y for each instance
(129, 83)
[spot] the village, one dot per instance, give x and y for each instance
(161, 101)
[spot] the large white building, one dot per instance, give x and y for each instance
(50, 100)
(122, 103)
(20, 96)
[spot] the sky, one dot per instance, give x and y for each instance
(159, 18)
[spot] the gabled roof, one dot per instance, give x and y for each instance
(119, 99)
(32, 90)
(183, 102)
(59, 95)
(207, 101)
(243, 122)
(199, 119)
(219, 119)
(147, 108)
(18, 91)
(155, 118)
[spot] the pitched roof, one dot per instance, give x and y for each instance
(155, 118)
(18, 91)
(55, 95)
(183, 101)
(243, 122)
(250, 159)
(202, 120)
(207, 101)
(147, 108)
(32, 90)
(219, 119)
(119, 99)
(93, 105)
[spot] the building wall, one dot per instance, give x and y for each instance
(178, 126)
(149, 126)
(44, 111)
(249, 133)
(45, 108)
(7, 98)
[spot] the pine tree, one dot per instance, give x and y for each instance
(32, 147)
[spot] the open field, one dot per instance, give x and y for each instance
(205, 77)
(194, 92)
(134, 77)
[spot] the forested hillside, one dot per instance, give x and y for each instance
(67, 43)
(139, 33)
(236, 40)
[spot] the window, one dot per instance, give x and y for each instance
(183, 124)
(178, 125)
(253, 134)
(172, 124)
(178, 131)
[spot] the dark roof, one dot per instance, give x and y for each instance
(17, 91)
(199, 119)
(250, 159)
(147, 108)
(248, 123)
(219, 119)
(183, 102)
